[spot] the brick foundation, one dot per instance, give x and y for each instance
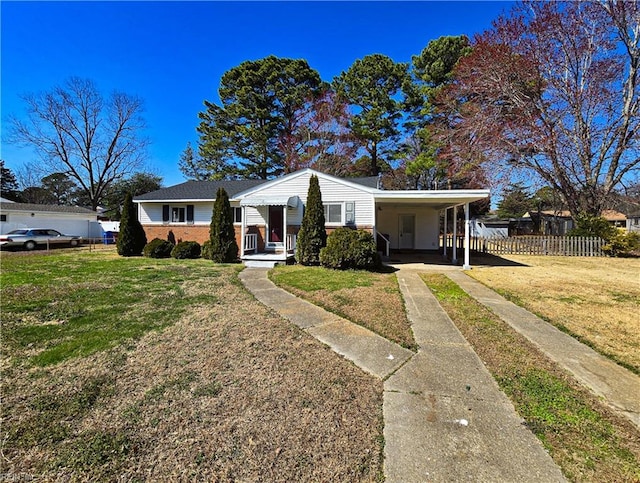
(200, 233)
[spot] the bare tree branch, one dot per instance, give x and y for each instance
(77, 132)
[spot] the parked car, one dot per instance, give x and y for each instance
(29, 238)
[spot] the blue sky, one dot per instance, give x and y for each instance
(173, 54)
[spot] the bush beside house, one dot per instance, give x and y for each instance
(312, 237)
(350, 249)
(186, 249)
(131, 239)
(158, 248)
(222, 247)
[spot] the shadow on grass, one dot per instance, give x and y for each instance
(437, 259)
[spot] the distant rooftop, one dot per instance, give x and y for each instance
(11, 206)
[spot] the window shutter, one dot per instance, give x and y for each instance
(189, 213)
(350, 212)
(165, 213)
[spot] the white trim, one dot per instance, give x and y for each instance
(297, 174)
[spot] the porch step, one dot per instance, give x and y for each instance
(263, 263)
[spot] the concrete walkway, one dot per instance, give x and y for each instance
(445, 417)
(369, 351)
(618, 387)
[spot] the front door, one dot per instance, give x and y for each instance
(276, 224)
(406, 230)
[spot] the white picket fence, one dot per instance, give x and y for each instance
(536, 245)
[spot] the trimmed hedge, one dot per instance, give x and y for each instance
(186, 249)
(158, 248)
(350, 249)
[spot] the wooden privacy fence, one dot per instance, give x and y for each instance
(536, 245)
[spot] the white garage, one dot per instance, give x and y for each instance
(70, 220)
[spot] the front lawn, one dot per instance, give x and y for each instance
(370, 299)
(168, 370)
(597, 300)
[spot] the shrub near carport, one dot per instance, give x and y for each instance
(350, 249)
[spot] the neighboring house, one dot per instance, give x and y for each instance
(489, 228)
(615, 218)
(559, 223)
(633, 223)
(268, 214)
(70, 220)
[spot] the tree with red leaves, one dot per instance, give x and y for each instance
(319, 137)
(552, 90)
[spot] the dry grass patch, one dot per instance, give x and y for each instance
(226, 391)
(595, 299)
(369, 299)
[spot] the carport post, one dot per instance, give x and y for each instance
(454, 257)
(444, 233)
(466, 265)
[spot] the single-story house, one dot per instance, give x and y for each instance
(489, 228)
(70, 220)
(633, 222)
(559, 223)
(268, 214)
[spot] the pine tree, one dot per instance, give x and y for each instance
(312, 236)
(132, 238)
(222, 236)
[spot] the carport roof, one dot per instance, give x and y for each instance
(438, 199)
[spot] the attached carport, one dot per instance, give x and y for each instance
(394, 210)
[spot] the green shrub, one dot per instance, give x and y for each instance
(131, 239)
(622, 244)
(589, 225)
(186, 249)
(207, 251)
(158, 248)
(222, 235)
(312, 236)
(350, 249)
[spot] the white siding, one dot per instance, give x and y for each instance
(427, 229)
(67, 223)
(332, 192)
(151, 213)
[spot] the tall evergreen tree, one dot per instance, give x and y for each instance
(372, 85)
(312, 236)
(8, 184)
(259, 101)
(222, 235)
(131, 239)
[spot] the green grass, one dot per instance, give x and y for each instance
(312, 279)
(369, 299)
(75, 304)
(583, 437)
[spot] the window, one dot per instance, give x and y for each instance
(177, 215)
(237, 215)
(333, 213)
(350, 213)
(3, 217)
